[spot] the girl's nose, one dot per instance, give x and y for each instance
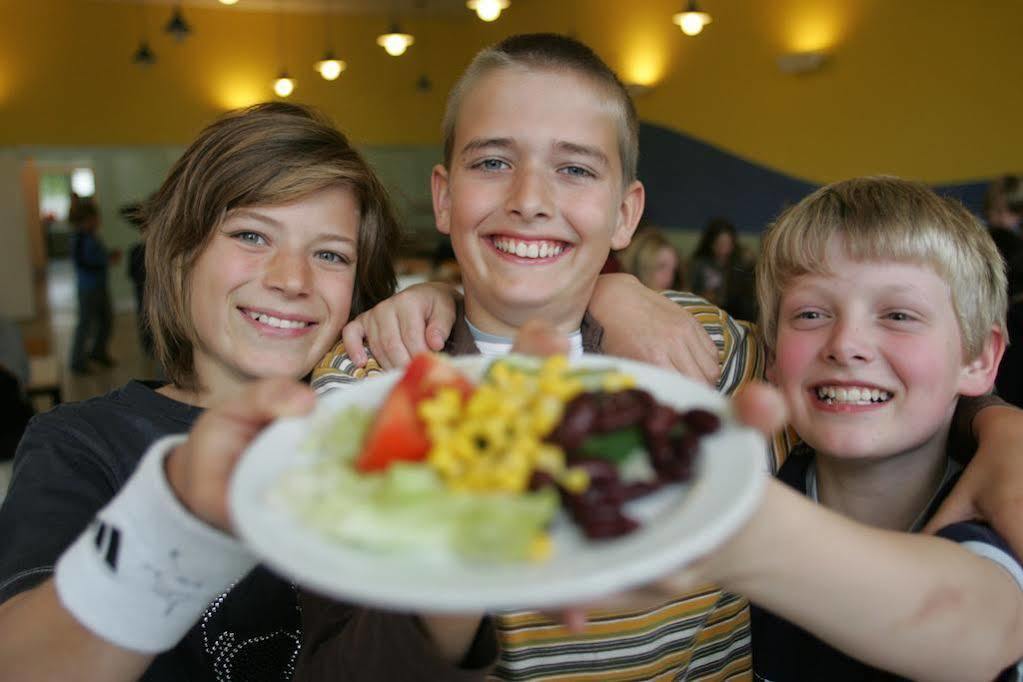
(289, 273)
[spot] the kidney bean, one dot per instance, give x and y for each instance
(701, 422)
(580, 415)
(659, 420)
(622, 409)
(541, 479)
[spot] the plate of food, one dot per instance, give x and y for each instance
(469, 484)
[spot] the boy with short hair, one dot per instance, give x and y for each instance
(881, 304)
(538, 185)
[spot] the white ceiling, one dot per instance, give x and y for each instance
(386, 7)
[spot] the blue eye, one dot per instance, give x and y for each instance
(491, 165)
(578, 171)
(333, 258)
(250, 237)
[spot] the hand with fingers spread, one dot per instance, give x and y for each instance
(199, 470)
(415, 320)
(671, 337)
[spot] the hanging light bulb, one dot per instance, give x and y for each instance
(228, 2)
(177, 26)
(284, 85)
(394, 41)
(488, 10)
(143, 55)
(330, 67)
(692, 20)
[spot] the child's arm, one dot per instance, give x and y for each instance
(645, 325)
(992, 485)
(680, 331)
(920, 606)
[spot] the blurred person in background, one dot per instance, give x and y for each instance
(136, 268)
(95, 313)
(653, 260)
(1003, 204)
(722, 272)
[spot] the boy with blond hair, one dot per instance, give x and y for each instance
(881, 304)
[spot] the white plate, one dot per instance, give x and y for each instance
(679, 523)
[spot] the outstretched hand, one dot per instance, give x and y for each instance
(199, 469)
(415, 320)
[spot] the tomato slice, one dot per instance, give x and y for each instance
(397, 433)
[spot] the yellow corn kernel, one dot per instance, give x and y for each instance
(575, 480)
(550, 458)
(546, 413)
(540, 548)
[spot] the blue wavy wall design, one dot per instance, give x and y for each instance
(688, 182)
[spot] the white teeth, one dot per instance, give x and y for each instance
(852, 396)
(531, 249)
(271, 321)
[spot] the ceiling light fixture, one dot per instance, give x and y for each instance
(143, 55)
(692, 19)
(284, 84)
(177, 26)
(228, 2)
(395, 42)
(488, 10)
(330, 67)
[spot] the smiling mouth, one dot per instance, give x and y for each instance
(851, 395)
(277, 322)
(529, 248)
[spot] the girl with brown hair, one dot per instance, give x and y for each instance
(267, 235)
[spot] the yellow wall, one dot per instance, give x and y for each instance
(922, 88)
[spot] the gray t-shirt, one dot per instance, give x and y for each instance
(70, 463)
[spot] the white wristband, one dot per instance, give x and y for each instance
(142, 573)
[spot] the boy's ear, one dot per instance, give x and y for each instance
(978, 375)
(629, 213)
(440, 188)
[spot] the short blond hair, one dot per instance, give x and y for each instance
(267, 154)
(887, 219)
(552, 52)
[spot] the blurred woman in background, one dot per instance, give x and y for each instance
(653, 260)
